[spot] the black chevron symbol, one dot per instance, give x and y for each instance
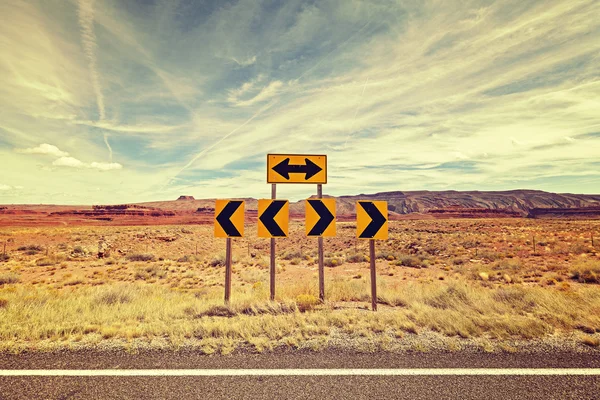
(224, 218)
(377, 220)
(326, 217)
(310, 169)
(268, 218)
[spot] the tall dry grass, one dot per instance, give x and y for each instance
(129, 311)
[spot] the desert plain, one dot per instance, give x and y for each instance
(481, 284)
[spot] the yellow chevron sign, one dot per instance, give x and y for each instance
(229, 218)
(372, 220)
(320, 217)
(273, 218)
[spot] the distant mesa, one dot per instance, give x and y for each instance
(186, 198)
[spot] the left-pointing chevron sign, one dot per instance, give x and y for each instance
(320, 217)
(229, 218)
(372, 220)
(273, 218)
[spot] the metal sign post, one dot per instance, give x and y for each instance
(373, 275)
(320, 255)
(272, 264)
(228, 271)
(229, 223)
(372, 224)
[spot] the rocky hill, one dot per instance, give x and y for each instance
(519, 201)
(434, 203)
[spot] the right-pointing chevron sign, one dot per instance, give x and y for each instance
(320, 217)
(372, 220)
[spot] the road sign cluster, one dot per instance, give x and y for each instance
(320, 218)
(273, 216)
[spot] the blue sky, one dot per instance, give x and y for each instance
(125, 101)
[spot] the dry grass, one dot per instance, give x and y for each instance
(9, 278)
(462, 279)
(146, 311)
(587, 272)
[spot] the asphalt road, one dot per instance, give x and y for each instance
(299, 387)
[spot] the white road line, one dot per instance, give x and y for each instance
(305, 372)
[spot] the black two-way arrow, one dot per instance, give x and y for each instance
(224, 218)
(268, 218)
(377, 220)
(326, 217)
(310, 169)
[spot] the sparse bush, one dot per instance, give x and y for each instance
(458, 261)
(3, 302)
(357, 258)
(587, 272)
(488, 255)
(218, 261)
(74, 282)
(451, 297)
(590, 341)
(292, 255)
(4, 257)
(296, 261)
(306, 302)
(114, 295)
(31, 250)
(141, 257)
(217, 311)
(150, 271)
(516, 297)
(9, 278)
(405, 260)
(333, 262)
(79, 251)
(386, 255)
(509, 264)
(45, 261)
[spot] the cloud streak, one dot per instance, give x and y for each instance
(90, 44)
